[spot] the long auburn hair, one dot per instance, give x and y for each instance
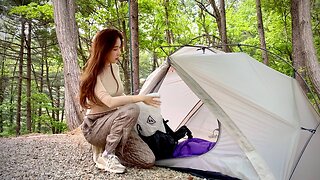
(102, 44)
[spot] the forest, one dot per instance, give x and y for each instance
(44, 45)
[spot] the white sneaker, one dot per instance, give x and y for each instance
(100, 163)
(112, 164)
(97, 159)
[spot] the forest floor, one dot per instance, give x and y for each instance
(64, 156)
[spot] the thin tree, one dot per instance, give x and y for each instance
(220, 15)
(28, 92)
(204, 26)
(58, 104)
(66, 30)
(53, 129)
(41, 86)
(3, 80)
(19, 93)
(261, 32)
(169, 34)
(134, 44)
(125, 62)
(125, 51)
(223, 24)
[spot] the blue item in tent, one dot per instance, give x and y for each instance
(192, 147)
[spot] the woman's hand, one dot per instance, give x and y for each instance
(152, 101)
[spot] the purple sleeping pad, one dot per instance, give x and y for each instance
(192, 147)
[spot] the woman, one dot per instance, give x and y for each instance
(111, 115)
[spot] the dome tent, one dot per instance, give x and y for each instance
(267, 127)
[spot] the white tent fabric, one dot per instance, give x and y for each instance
(261, 113)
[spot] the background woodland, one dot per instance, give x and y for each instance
(45, 44)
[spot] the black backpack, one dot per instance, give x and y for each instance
(163, 144)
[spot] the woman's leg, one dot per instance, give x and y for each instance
(121, 127)
(108, 130)
(136, 152)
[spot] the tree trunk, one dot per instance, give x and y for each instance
(43, 60)
(205, 28)
(312, 62)
(40, 91)
(134, 44)
(58, 103)
(52, 113)
(19, 92)
(12, 91)
(155, 63)
(3, 79)
(3, 84)
(169, 36)
(261, 33)
(223, 23)
(125, 62)
(220, 16)
(28, 92)
(64, 17)
(125, 51)
(298, 53)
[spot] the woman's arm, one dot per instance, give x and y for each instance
(113, 102)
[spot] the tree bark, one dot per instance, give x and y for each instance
(50, 95)
(3, 79)
(43, 54)
(220, 16)
(58, 104)
(298, 53)
(261, 33)
(155, 63)
(64, 17)
(312, 62)
(224, 37)
(28, 92)
(19, 92)
(134, 44)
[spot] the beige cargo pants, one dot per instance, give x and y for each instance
(113, 131)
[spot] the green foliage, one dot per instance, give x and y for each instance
(315, 15)
(34, 11)
(182, 18)
(8, 132)
(242, 28)
(9, 128)
(40, 100)
(48, 123)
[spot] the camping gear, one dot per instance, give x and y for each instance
(149, 120)
(192, 147)
(267, 127)
(162, 143)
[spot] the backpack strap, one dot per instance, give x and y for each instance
(180, 133)
(167, 127)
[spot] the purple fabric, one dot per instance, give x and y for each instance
(192, 147)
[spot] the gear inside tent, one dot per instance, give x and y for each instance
(262, 124)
